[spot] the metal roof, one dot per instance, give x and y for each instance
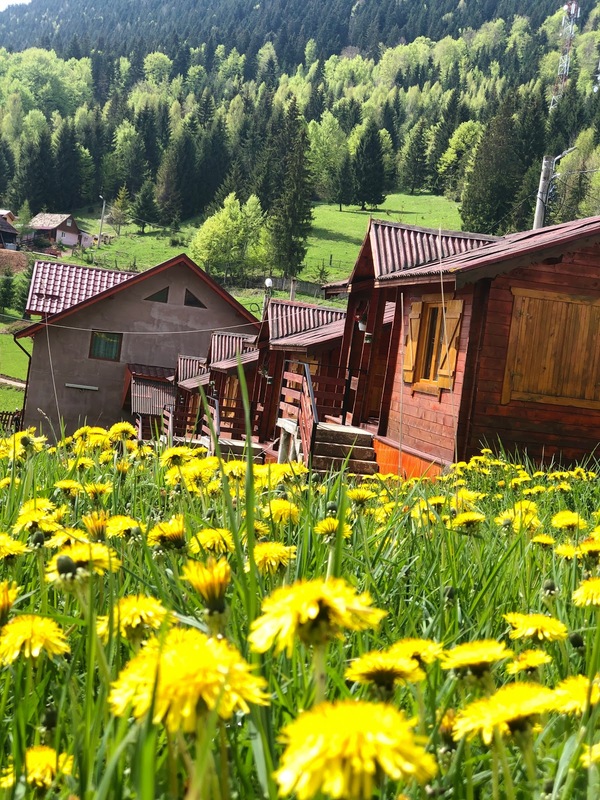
(287, 317)
(225, 344)
(506, 250)
(231, 364)
(149, 397)
(151, 372)
(56, 287)
(397, 247)
(47, 222)
(189, 367)
(189, 384)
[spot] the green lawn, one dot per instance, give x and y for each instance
(13, 361)
(10, 399)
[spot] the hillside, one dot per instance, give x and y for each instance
(72, 27)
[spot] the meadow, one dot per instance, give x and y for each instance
(178, 627)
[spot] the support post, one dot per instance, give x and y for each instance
(542, 195)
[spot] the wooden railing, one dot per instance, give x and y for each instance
(10, 421)
(179, 424)
(297, 402)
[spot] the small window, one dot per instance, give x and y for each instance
(106, 346)
(192, 300)
(432, 344)
(69, 223)
(162, 296)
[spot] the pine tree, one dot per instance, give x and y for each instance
(67, 178)
(345, 189)
(7, 289)
(369, 170)
(119, 210)
(291, 217)
(143, 208)
(413, 159)
(32, 180)
(494, 179)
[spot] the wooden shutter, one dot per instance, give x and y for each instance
(412, 341)
(449, 349)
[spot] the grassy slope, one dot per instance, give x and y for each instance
(10, 399)
(13, 361)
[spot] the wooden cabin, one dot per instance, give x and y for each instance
(496, 344)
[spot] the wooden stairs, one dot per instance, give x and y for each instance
(335, 447)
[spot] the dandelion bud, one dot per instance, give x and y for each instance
(65, 566)
(549, 589)
(331, 509)
(37, 539)
(576, 641)
(449, 593)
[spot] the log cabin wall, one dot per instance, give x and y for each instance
(425, 425)
(526, 380)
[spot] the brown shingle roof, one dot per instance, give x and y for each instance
(501, 254)
(287, 317)
(6, 227)
(47, 222)
(56, 287)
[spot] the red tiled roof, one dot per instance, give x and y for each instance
(287, 317)
(56, 287)
(397, 247)
(505, 251)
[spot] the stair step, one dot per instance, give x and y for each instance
(343, 434)
(325, 463)
(336, 450)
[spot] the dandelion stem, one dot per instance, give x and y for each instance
(320, 673)
(509, 787)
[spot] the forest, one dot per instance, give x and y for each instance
(175, 132)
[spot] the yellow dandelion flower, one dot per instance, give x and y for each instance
(360, 496)
(97, 490)
(543, 539)
(133, 616)
(169, 535)
(571, 695)
(315, 611)
(10, 480)
(181, 677)
(568, 520)
(567, 550)
(95, 524)
(328, 529)
(69, 487)
(81, 464)
(384, 669)
(42, 766)
(177, 456)
(120, 527)
(423, 651)
(280, 510)
(591, 548)
(511, 708)
(78, 561)
(340, 749)
(528, 661)
(217, 541)
(121, 431)
(588, 593)
(475, 657)
(210, 580)
(590, 755)
(9, 547)
(9, 591)
(466, 520)
(28, 635)
(536, 626)
(64, 537)
(235, 469)
(272, 557)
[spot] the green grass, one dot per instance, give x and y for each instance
(13, 361)
(10, 399)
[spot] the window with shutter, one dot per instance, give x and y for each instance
(553, 355)
(432, 344)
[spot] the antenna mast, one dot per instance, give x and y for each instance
(567, 34)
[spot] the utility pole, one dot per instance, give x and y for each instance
(571, 13)
(542, 195)
(101, 220)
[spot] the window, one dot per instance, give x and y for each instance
(553, 354)
(106, 346)
(191, 300)
(432, 344)
(69, 222)
(162, 296)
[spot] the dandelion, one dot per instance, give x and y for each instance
(42, 766)
(384, 669)
(217, 541)
(528, 661)
(97, 490)
(360, 496)
(512, 708)
(588, 593)
(476, 657)
(134, 616)
(423, 651)
(568, 520)
(340, 750)
(273, 557)
(536, 626)
(28, 635)
(9, 547)
(315, 611)
(210, 580)
(9, 591)
(572, 695)
(69, 487)
(590, 755)
(80, 560)
(567, 550)
(169, 535)
(121, 431)
(177, 456)
(121, 526)
(328, 528)
(543, 539)
(467, 520)
(280, 510)
(95, 525)
(182, 677)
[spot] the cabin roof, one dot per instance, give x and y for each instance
(56, 287)
(287, 317)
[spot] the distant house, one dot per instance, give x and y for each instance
(60, 228)
(8, 215)
(107, 344)
(8, 235)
